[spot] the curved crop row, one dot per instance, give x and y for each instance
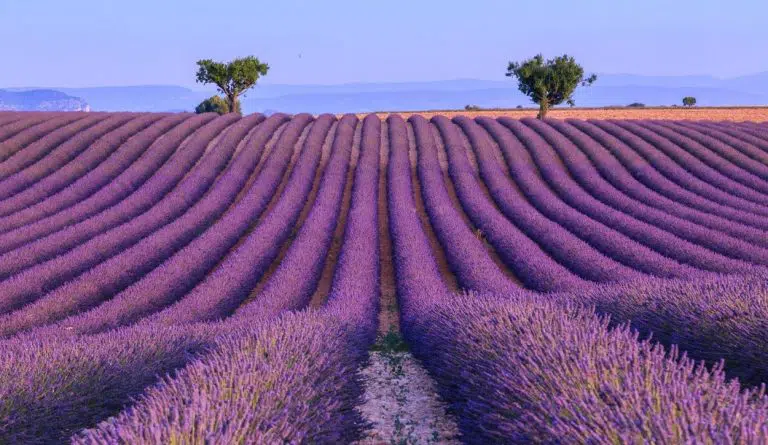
(416, 267)
(749, 145)
(466, 255)
(227, 286)
(607, 240)
(50, 166)
(158, 170)
(310, 402)
(526, 259)
(34, 281)
(22, 133)
(633, 204)
(7, 117)
(570, 191)
(667, 142)
(291, 286)
(91, 163)
(113, 274)
(184, 269)
(629, 152)
(14, 123)
(738, 152)
(726, 160)
(670, 166)
(51, 143)
(610, 168)
(525, 369)
(567, 249)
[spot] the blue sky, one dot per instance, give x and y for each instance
(69, 43)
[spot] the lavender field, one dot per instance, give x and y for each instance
(194, 279)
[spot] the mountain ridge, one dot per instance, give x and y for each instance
(610, 90)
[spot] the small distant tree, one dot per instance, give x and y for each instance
(215, 104)
(636, 105)
(233, 78)
(689, 101)
(471, 107)
(519, 106)
(549, 83)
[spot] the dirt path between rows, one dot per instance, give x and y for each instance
(401, 402)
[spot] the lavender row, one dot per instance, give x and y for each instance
(570, 251)
(678, 149)
(7, 118)
(91, 162)
(27, 180)
(10, 168)
(672, 162)
(526, 369)
(355, 290)
(160, 168)
(681, 188)
(563, 138)
(738, 152)
(415, 263)
(536, 269)
(54, 387)
(753, 128)
(180, 273)
(653, 237)
(725, 159)
(14, 123)
(312, 355)
(32, 282)
(688, 226)
(612, 243)
(294, 281)
(334, 397)
(118, 381)
(750, 145)
(508, 365)
(231, 282)
(289, 381)
(668, 159)
(466, 255)
(111, 274)
(25, 132)
(715, 317)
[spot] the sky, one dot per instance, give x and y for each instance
(76, 43)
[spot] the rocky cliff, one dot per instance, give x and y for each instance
(40, 100)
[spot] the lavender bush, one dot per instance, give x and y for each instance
(96, 167)
(161, 168)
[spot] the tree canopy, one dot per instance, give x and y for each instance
(215, 104)
(550, 82)
(233, 78)
(689, 101)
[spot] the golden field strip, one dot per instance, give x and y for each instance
(754, 114)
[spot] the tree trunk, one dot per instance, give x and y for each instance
(232, 101)
(543, 108)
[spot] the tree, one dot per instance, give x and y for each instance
(689, 101)
(549, 83)
(233, 78)
(215, 104)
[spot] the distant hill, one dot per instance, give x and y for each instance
(610, 90)
(139, 98)
(41, 100)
